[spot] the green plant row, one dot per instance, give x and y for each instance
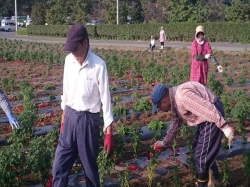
(215, 32)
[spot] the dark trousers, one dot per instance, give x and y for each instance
(207, 145)
(151, 47)
(80, 135)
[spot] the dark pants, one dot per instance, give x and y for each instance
(207, 145)
(151, 47)
(80, 135)
(162, 43)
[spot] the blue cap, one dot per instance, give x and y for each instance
(157, 94)
(76, 34)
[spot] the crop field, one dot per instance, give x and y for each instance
(31, 75)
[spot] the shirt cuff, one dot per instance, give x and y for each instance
(8, 111)
(223, 127)
(222, 123)
(107, 122)
(166, 141)
(63, 104)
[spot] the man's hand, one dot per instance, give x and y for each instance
(13, 122)
(158, 146)
(108, 144)
(229, 133)
(61, 127)
(220, 68)
(62, 121)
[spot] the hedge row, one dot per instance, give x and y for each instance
(215, 32)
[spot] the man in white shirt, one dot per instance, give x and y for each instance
(85, 88)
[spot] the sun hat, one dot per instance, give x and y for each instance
(199, 29)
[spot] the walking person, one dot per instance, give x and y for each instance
(162, 37)
(198, 106)
(5, 105)
(152, 43)
(201, 51)
(85, 88)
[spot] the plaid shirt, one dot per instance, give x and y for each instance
(194, 103)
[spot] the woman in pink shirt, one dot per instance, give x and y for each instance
(201, 51)
(162, 37)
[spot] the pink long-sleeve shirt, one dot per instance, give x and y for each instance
(162, 36)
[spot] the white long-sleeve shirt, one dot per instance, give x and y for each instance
(4, 103)
(152, 42)
(86, 86)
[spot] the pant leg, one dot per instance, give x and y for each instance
(66, 151)
(88, 133)
(215, 171)
(207, 146)
(214, 168)
(196, 137)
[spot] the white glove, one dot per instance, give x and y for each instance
(229, 133)
(220, 68)
(13, 122)
(207, 56)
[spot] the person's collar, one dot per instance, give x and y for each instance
(200, 42)
(87, 61)
(172, 92)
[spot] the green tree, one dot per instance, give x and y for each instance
(98, 9)
(154, 11)
(7, 7)
(180, 10)
(239, 11)
(123, 12)
(146, 14)
(200, 12)
(58, 11)
(38, 13)
(80, 11)
(110, 8)
(216, 11)
(135, 10)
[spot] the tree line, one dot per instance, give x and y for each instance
(141, 11)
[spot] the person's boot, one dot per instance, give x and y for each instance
(161, 47)
(202, 179)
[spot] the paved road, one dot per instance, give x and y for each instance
(127, 44)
